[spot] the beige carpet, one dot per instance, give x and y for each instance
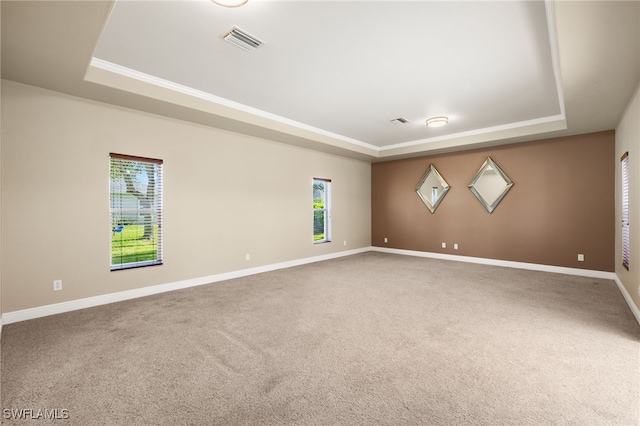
(368, 339)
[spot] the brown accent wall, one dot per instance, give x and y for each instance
(561, 204)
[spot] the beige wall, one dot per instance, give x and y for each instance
(628, 140)
(561, 204)
(225, 195)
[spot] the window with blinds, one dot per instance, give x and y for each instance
(321, 210)
(135, 206)
(625, 210)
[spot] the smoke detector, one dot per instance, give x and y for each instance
(242, 39)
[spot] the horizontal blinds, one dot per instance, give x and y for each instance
(322, 216)
(625, 210)
(327, 207)
(135, 206)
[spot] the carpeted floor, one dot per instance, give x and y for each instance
(368, 339)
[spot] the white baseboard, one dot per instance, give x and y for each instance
(505, 263)
(627, 297)
(522, 265)
(89, 302)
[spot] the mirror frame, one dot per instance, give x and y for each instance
(508, 184)
(432, 169)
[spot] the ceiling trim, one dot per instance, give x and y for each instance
(50, 45)
(109, 67)
(503, 131)
(119, 77)
(555, 53)
(113, 75)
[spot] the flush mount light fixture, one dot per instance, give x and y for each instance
(230, 3)
(437, 121)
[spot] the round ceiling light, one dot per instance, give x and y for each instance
(230, 3)
(437, 121)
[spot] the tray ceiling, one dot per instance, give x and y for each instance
(347, 69)
(332, 75)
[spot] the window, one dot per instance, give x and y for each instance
(136, 211)
(625, 210)
(321, 210)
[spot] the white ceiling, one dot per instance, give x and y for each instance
(332, 74)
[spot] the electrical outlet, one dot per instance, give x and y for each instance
(444, 245)
(247, 256)
(344, 243)
(386, 240)
(455, 246)
(57, 285)
(580, 257)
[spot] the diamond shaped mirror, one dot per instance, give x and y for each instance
(490, 185)
(432, 188)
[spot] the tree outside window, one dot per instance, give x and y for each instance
(136, 211)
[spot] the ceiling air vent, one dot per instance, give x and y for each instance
(242, 39)
(399, 121)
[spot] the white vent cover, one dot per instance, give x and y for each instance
(242, 39)
(399, 121)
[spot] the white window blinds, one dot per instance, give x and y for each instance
(321, 210)
(135, 192)
(625, 210)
